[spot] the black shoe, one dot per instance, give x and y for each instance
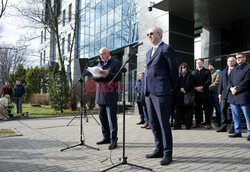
(142, 122)
(231, 130)
(166, 160)
(113, 144)
(155, 155)
(222, 129)
(103, 141)
(171, 123)
(177, 127)
(248, 138)
(235, 135)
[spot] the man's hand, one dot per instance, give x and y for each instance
(198, 89)
(105, 72)
(220, 97)
(182, 90)
(233, 90)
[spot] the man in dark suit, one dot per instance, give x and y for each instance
(107, 97)
(202, 80)
(143, 103)
(160, 77)
(239, 91)
(138, 89)
(223, 93)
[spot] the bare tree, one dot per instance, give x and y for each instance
(47, 14)
(3, 7)
(10, 57)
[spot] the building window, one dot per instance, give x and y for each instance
(70, 11)
(45, 34)
(64, 15)
(41, 58)
(111, 23)
(44, 56)
(41, 37)
(69, 42)
(63, 42)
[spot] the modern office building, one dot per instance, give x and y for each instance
(221, 26)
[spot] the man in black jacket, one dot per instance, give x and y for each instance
(202, 80)
(107, 97)
(19, 91)
(223, 93)
(239, 91)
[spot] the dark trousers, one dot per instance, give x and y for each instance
(226, 116)
(108, 118)
(186, 113)
(199, 107)
(158, 113)
(19, 101)
(145, 112)
(224, 112)
(140, 111)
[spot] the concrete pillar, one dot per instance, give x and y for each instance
(181, 36)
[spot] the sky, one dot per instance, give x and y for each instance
(13, 29)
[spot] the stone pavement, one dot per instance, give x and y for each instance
(39, 148)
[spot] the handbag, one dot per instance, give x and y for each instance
(189, 99)
(189, 96)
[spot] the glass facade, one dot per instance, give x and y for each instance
(109, 23)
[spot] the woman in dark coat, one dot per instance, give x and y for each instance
(184, 85)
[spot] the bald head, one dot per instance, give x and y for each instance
(104, 53)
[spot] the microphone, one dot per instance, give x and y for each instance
(94, 62)
(138, 44)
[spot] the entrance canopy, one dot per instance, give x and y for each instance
(208, 12)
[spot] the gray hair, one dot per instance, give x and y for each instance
(158, 29)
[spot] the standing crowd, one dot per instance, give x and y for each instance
(17, 96)
(203, 90)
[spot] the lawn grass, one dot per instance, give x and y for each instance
(46, 111)
(7, 133)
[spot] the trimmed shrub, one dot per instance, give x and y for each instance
(40, 99)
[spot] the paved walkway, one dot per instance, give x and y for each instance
(39, 148)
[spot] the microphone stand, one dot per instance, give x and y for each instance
(124, 158)
(84, 96)
(82, 141)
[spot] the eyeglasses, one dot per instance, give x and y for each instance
(102, 54)
(150, 34)
(183, 67)
(239, 57)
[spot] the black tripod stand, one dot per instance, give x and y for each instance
(85, 109)
(85, 63)
(124, 158)
(82, 141)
